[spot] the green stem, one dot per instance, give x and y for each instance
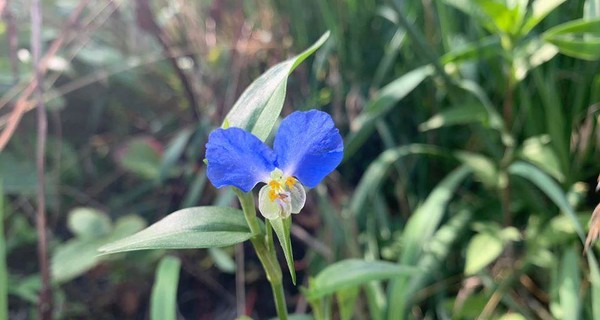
(267, 258)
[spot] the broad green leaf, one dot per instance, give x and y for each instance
(3, 267)
(577, 38)
(141, 156)
(190, 228)
(352, 273)
(259, 106)
(88, 223)
(538, 151)
(484, 168)
(74, 257)
(539, 10)
(471, 113)
(78, 255)
(481, 251)
(282, 229)
(379, 106)
(163, 305)
(569, 286)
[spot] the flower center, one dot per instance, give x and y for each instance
(281, 196)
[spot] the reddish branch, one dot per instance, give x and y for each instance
(24, 102)
(45, 299)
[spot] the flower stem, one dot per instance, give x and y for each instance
(267, 257)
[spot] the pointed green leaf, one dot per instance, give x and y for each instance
(190, 228)
(577, 38)
(88, 223)
(282, 228)
(539, 10)
(259, 106)
(163, 304)
(352, 273)
(470, 113)
(481, 251)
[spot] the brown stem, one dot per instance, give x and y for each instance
(22, 104)
(45, 299)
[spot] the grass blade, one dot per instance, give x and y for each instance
(164, 292)
(418, 233)
(353, 272)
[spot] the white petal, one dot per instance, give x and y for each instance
(298, 197)
(286, 207)
(269, 209)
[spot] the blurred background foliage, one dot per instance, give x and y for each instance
(471, 152)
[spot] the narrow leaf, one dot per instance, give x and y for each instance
(418, 232)
(259, 106)
(164, 292)
(191, 228)
(282, 228)
(471, 113)
(539, 10)
(387, 98)
(578, 38)
(550, 188)
(351, 273)
(569, 286)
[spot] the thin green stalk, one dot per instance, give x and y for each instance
(267, 258)
(3, 269)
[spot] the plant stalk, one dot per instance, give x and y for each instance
(45, 298)
(267, 258)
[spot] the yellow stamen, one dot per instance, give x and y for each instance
(274, 185)
(273, 194)
(290, 182)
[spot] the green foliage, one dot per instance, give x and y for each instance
(92, 229)
(190, 228)
(164, 292)
(258, 108)
(351, 273)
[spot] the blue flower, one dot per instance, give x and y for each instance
(307, 148)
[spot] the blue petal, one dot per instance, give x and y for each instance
(237, 158)
(308, 146)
